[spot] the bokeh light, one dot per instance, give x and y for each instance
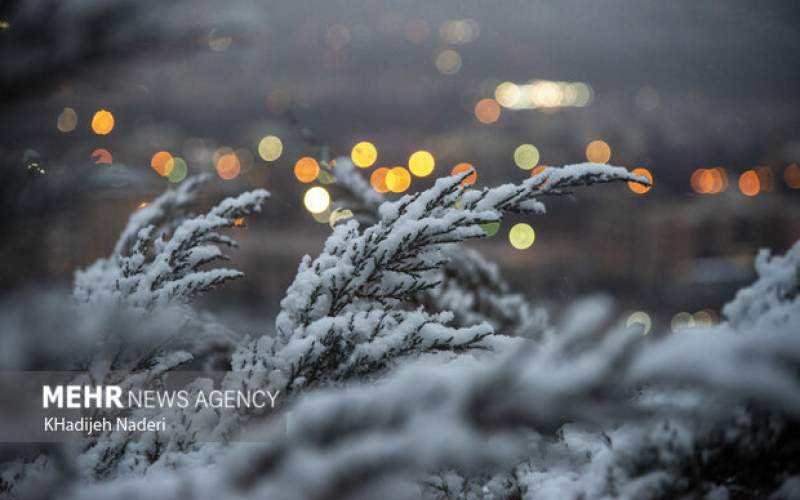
(538, 169)
(749, 184)
(640, 318)
(306, 169)
(465, 167)
(378, 180)
(487, 111)
(270, 148)
(521, 236)
(507, 94)
(398, 179)
(421, 163)
(709, 180)
(228, 166)
(681, 321)
(364, 154)
(339, 214)
(102, 122)
(317, 200)
(160, 163)
(491, 228)
(459, 31)
(765, 179)
(448, 62)
(526, 156)
(791, 175)
(635, 186)
(702, 318)
(598, 151)
(67, 120)
(177, 169)
(102, 156)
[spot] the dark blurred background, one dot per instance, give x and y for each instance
(703, 94)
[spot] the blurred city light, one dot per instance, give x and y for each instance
(378, 179)
(681, 321)
(521, 236)
(102, 122)
(638, 188)
(640, 318)
(526, 156)
(270, 148)
(364, 154)
(398, 179)
(491, 228)
(306, 169)
(487, 111)
(67, 120)
(765, 179)
(459, 31)
(177, 169)
(465, 167)
(160, 163)
(102, 156)
(228, 166)
(598, 151)
(421, 163)
(448, 62)
(749, 184)
(792, 176)
(543, 94)
(317, 200)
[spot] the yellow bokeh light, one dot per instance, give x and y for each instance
(103, 122)
(749, 183)
(398, 179)
(448, 62)
(67, 120)
(270, 148)
(526, 156)
(507, 94)
(487, 111)
(378, 180)
(635, 186)
(160, 163)
(640, 318)
(521, 236)
(306, 169)
(598, 151)
(228, 166)
(421, 163)
(364, 154)
(317, 200)
(464, 167)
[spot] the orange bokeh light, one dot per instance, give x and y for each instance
(749, 184)
(709, 180)
(538, 169)
(378, 180)
(487, 111)
(638, 188)
(792, 176)
(465, 167)
(398, 179)
(306, 169)
(102, 156)
(228, 166)
(598, 151)
(102, 122)
(765, 178)
(161, 163)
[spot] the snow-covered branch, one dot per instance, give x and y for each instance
(158, 257)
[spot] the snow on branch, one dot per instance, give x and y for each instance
(158, 257)
(471, 287)
(484, 416)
